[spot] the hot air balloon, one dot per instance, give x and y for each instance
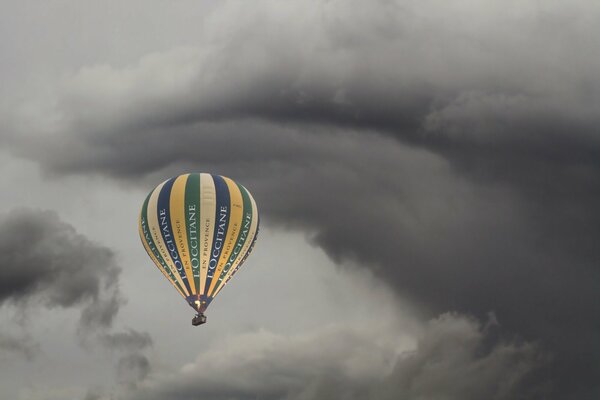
(198, 229)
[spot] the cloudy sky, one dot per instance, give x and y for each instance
(427, 172)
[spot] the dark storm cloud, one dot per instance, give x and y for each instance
(451, 148)
(451, 361)
(419, 73)
(47, 264)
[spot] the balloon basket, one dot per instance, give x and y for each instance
(199, 319)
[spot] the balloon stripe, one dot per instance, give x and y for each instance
(243, 260)
(166, 230)
(208, 210)
(242, 236)
(150, 248)
(221, 219)
(252, 233)
(178, 222)
(235, 221)
(192, 225)
(155, 231)
(254, 230)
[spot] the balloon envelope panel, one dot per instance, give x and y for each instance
(198, 229)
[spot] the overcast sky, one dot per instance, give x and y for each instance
(427, 173)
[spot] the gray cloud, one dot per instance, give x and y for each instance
(133, 366)
(130, 340)
(47, 264)
(22, 345)
(451, 361)
(454, 360)
(450, 148)
(418, 73)
(93, 394)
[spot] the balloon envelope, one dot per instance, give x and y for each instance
(198, 229)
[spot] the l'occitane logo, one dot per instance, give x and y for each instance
(169, 242)
(193, 238)
(218, 241)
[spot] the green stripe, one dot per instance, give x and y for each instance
(241, 238)
(192, 223)
(152, 245)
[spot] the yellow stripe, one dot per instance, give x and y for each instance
(177, 211)
(236, 203)
(208, 208)
(154, 227)
(247, 244)
(155, 260)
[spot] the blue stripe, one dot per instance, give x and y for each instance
(222, 214)
(164, 220)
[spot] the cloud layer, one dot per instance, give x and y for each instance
(451, 361)
(451, 148)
